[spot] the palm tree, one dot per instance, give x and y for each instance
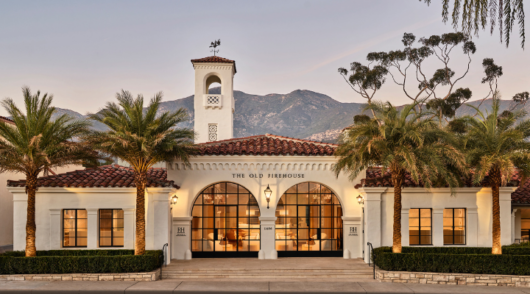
(496, 145)
(402, 142)
(142, 139)
(37, 143)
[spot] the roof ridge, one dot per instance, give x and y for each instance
(267, 135)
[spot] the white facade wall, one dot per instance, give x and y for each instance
(379, 209)
(223, 115)
(50, 202)
(207, 170)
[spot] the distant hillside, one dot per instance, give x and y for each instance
(299, 114)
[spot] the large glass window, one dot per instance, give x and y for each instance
(454, 226)
(420, 226)
(111, 228)
(74, 228)
(309, 222)
(525, 225)
(225, 222)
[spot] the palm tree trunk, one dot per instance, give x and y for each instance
(496, 247)
(397, 180)
(31, 227)
(141, 182)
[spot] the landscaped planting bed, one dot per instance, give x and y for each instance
(79, 261)
(475, 260)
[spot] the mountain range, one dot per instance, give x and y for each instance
(299, 114)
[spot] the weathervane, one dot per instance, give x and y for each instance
(214, 45)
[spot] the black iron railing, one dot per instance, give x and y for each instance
(371, 254)
(163, 259)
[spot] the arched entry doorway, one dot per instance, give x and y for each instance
(309, 222)
(225, 222)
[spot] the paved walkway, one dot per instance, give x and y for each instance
(233, 286)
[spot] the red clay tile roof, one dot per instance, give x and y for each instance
(521, 196)
(7, 120)
(101, 177)
(267, 145)
(214, 59)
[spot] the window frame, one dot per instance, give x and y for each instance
(465, 227)
(420, 226)
(112, 228)
(75, 229)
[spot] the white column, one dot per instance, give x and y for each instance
(352, 237)
(405, 227)
(20, 210)
(268, 249)
(472, 227)
(181, 239)
(437, 227)
(92, 228)
(372, 212)
(517, 224)
(161, 229)
(55, 229)
(129, 228)
(506, 214)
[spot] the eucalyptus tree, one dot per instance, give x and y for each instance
(141, 137)
(38, 142)
(437, 91)
(401, 142)
(496, 145)
(471, 16)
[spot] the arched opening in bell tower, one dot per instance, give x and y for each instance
(213, 82)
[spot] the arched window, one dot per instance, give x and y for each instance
(309, 222)
(225, 222)
(213, 82)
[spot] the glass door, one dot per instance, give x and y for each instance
(308, 228)
(225, 231)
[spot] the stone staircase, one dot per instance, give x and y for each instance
(284, 269)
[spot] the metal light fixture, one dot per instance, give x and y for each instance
(360, 199)
(174, 200)
(268, 193)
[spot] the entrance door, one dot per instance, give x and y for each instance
(225, 230)
(309, 222)
(225, 222)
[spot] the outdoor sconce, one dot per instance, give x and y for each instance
(268, 193)
(360, 199)
(174, 200)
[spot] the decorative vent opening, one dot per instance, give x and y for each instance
(213, 100)
(212, 132)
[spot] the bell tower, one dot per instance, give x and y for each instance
(214, 112)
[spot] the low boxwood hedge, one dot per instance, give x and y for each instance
(79, 261)
(476, 260)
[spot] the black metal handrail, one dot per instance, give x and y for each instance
(163, 259)
(371, 253)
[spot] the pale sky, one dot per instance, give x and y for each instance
(83, 52)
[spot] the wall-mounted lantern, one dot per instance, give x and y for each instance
(174, 200)
(360, 199)
(268, 193)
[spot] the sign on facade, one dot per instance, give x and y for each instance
(181, 231)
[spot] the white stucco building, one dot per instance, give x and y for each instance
(223, 210)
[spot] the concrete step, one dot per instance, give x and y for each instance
(267, 274)
(268, 277)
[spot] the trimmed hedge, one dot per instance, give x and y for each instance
(476, 260)
(79, 261)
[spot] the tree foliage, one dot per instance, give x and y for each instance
(37, 143)
(471, 16)
(141, 138)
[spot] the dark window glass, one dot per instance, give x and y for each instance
(111, 232)
(525, 225)
(74, 228)
(454, 226)
(225, 219)
(420, 226)
(309, 218)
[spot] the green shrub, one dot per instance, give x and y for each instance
(79, 261)
(476, 260)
